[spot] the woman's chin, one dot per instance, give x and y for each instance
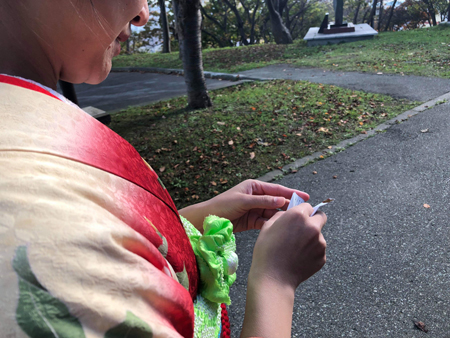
(101, 74)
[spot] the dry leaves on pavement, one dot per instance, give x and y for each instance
(421, 326)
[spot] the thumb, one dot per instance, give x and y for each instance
(264, 202)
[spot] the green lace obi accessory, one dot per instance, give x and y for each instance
(217, 263)
(216, 257)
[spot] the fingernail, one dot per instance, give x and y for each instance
(276, 200)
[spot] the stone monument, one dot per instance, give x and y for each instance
(339, 31)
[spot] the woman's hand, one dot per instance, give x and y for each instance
(290, 249)
(248, 205)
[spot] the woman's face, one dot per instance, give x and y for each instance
(88, 35)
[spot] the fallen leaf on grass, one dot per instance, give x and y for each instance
(230, 142)
(426, 206)
(421, 326)
(162, 169)
(221, 123)
(323, 130)
(265, 144)
(330, 147)
(213, 183)
(252, 155)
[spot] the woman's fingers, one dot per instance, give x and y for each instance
(322, 217)
(264, 188)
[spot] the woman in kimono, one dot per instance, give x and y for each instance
(91, 243)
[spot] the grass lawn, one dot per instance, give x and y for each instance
(251, 129)
(424, 51)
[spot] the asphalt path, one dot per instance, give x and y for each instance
(414, 88)
(388, 256)
(121, 90)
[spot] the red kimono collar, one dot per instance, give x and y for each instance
(100, 147)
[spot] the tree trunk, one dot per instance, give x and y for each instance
(355, 18)
(251, 19)
(372, 13)
(380, 15)
(189, 20)
(164, 26)
(365, 15)
(279, 30)
(431, 11)
(433, 16)
(176, 12)
(390, 16)
(239, 22)
(264, 28)
(448, 12)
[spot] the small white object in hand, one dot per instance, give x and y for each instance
(297, 200)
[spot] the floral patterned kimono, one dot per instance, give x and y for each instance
(91, 244)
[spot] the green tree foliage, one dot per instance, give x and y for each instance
(397, 15)
(229, 22)
(442, 7)
(150, 38)
(408, 15)
(245, 22)
(300, 15)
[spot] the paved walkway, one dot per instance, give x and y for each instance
(388, 255)
(414, 88)
(121, 90)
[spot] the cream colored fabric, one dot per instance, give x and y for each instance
(69, 216)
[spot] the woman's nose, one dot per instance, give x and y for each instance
(142, 18)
